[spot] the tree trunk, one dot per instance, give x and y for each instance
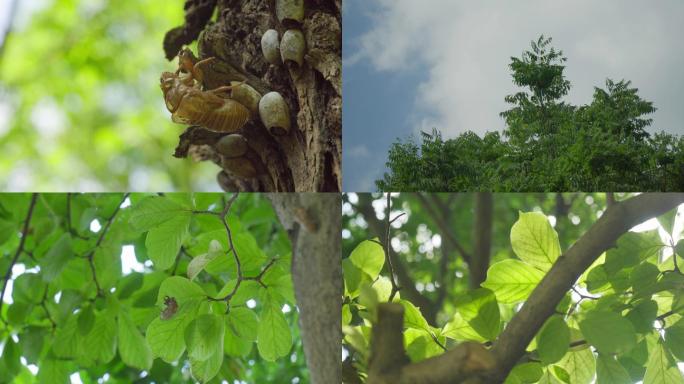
(307, 158)
(314, 224)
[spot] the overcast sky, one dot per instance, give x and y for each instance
(411, 65)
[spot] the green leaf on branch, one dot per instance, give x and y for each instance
(535, 241)
(579, 366)
(243, 323)
(133, 348)
(202, 336)
(553, 340)
(164, 241)
(153, 211)
(631, 249)
(369, 257)
(661, 367)
(480, 309)
(28, 288)
(274, 338)
(56, 258)
(526, 373)
(205, 370)
(608, 331)
(512, 280)
(199, 262)
(100, 343)
(180, 289)
(610, 371)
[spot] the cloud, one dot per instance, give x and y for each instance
(464, 47)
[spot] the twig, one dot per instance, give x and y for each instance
(91, 255)
(231, 247)
(258, 277)
(24, 234)
(395, 287)
(47, 312)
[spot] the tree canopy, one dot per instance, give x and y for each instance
(569, 294)
(548, 144)
(146, 288)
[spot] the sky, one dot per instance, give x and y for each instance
(416, 65)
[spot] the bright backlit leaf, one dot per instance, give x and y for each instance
(535, 241)
(369, 257)
(512, 280)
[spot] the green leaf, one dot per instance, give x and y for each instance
(525, 373)
(11, 355)
(580, 366)
(412, 316)
(644, 278)
(553, 340)
(535, 241)
(610, 371)
(164, 241)
(28, 288)
(480, 309)
(199, 262)
(643, 316)
(53, 371)
(369, 257)
(459, 329)
(274, 338)
(512, 280)
(243, 323)
(352, 278)
(100, 343)
(86, 320)
(205, 370)
(56, 258)
(7, 230)
(234, 345)
(179, 288)
(153, 211)
(165, 337)
(631, 249)
(674, 339)
(608, 331)
(661, 367)
(202, 336)
(67, 339)
(133, 348)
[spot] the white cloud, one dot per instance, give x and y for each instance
(464, 47)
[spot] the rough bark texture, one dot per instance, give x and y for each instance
(314, 224)
(466, 363)
(307, 159)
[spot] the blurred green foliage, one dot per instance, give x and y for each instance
(79, 82)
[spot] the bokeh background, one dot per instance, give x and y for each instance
(80, 104)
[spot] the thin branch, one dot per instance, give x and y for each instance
(231, 247)
(24, 234)
(395, 287)
(444, 227)
(45, 308)
(91, 255)
(258, 277)
(569, 266)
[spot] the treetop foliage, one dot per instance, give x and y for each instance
(146, 288)
(548, 144)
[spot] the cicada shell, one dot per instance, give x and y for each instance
(191, 105)
(170, 309)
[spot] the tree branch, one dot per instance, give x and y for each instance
(482, 236)
(91, 255)
(408, 286)
(22, 241)
(444, 226)
(395, 287)
(566, 270)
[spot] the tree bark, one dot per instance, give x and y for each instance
(307, 158)
(313, 222)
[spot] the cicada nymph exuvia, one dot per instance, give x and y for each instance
(170, 308)
(190, 105)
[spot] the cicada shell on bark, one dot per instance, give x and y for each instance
(190, 105)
